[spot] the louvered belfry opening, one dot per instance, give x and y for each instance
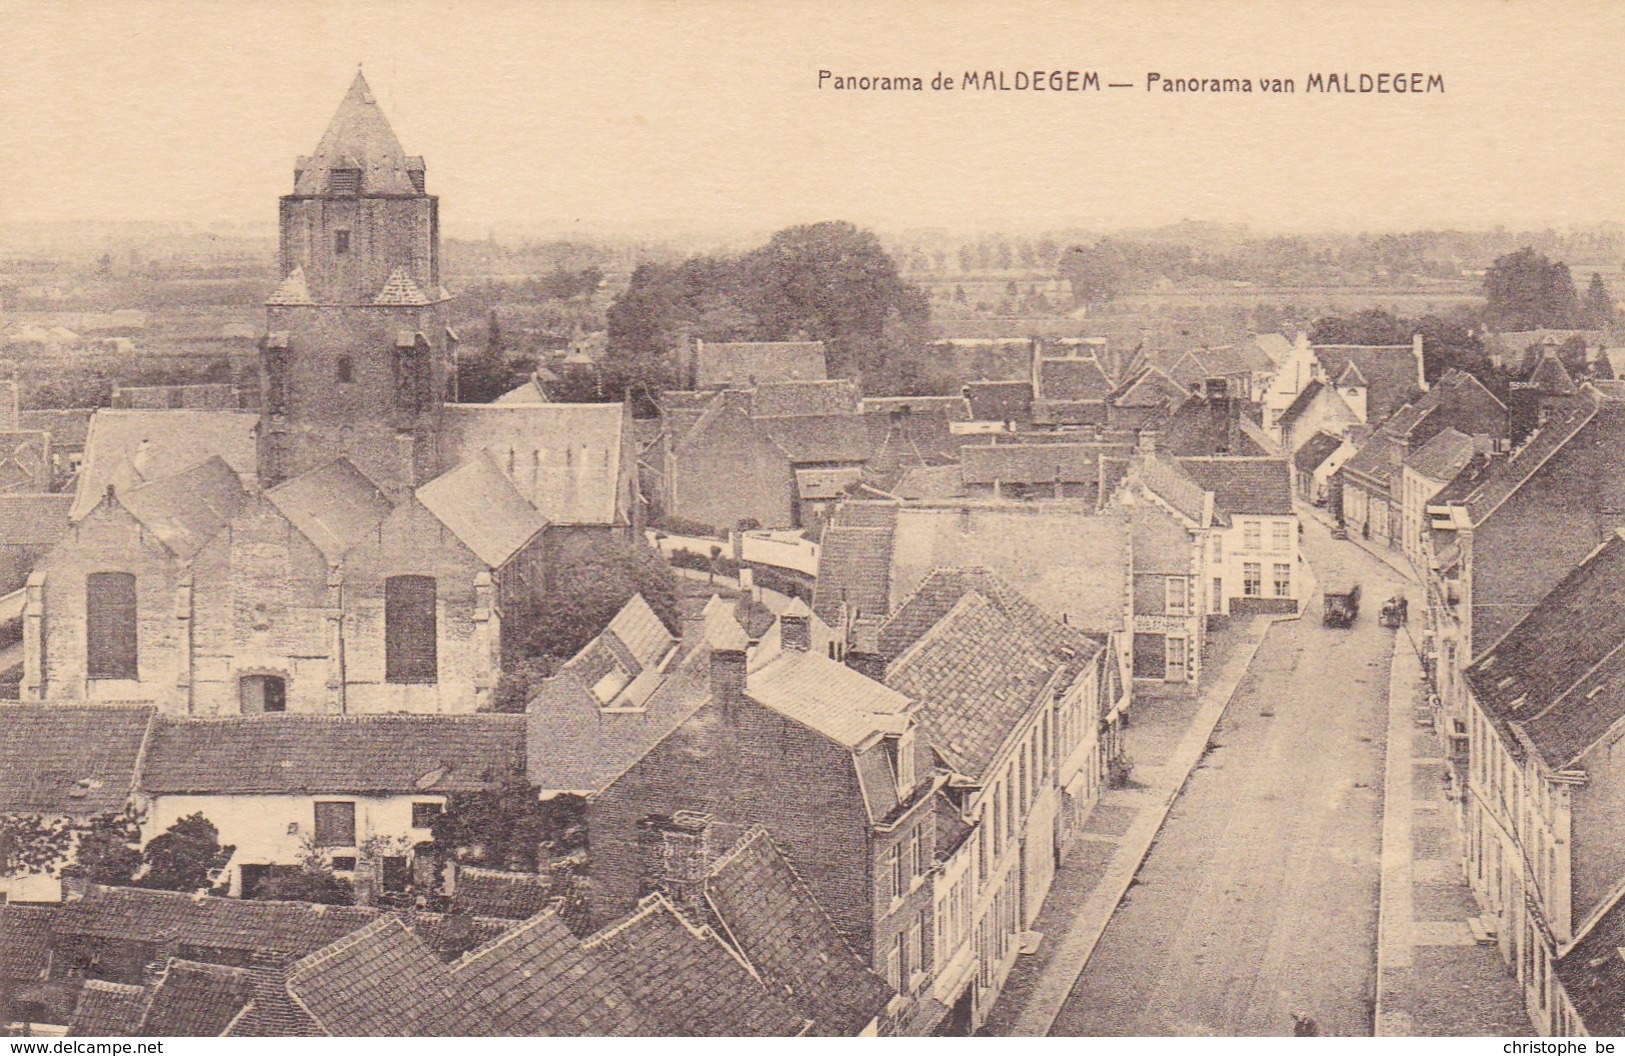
(344, 181)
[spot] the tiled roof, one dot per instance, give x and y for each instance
(493, 893)
(821, 484)
(108, 1010)
(1072, 379)
(292, 291)
(1560, 673)
(64, 759)
(68, 427)
(564, 457)
(1070, 561)
(742, 364)
(1316, 449)
(1208, 426)
(574, 745)
(820, 438)
(195, 1000)
(529, 392)
(359, 137)
(129, 448)
(978, 677)
(356, 754)
(1168, 480)
(1000, 401)
(778, 399)
(1034, 463)
(770, 915)
(853, 568)
(1148, 387)
(947, 408)
(930, 482)
(25, 940)
(857, 514)
(187, 510)
(1592, 974)
(33, 520)
(538, 980)
(1391, 371)
(1564, 424)
(1244, 485)
(399, 289)
(208, 923)
(1276, 346)
(481, 507)
(1300, 403)
(382, 981)
(827, 697)
(334, 506)
(1552, 378)
(690, 983)
(1376, 461)
(1442, 457)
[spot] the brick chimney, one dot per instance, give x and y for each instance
(795, 627)
(728, 643)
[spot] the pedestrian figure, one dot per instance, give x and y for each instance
(1404, 608)
(1304, 1026)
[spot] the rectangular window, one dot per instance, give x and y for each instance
(894, 964)
(409, 629)
(341, 242)
(397, 877)
(110, 625)
(920, 867)
(1252, 533)
(335, 824)
(1280, 535)
(1178, 595)
(1283, 579)
(423, 814)
(899, 883)
(916, 945)
(1218, 594)
(1252, 579)
(1218, 549)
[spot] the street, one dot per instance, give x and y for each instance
(1259, 897)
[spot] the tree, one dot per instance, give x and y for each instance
(184, 857)
(506, 826)
(1096, 273)
(313, 881)
(1599, 309)
(587, 594)
(30, 843)
(1527, 291)
(109, 850)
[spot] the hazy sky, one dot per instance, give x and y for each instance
(620, 116)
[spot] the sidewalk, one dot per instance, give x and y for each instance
(1434, 979)
(1392, 558)
(1168, 732)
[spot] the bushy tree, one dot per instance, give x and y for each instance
(109, 850)
(183, 856)
(31, 843)
(587, 594)
(506, 826)
(1599, 304)
(1526, 291)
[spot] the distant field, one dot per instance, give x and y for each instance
(1409, 299)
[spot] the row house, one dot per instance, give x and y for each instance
(1425, 473)
(1315, 465)
(1254, 561)
(1211, 422)
(1507, 530)
(1011, 712)
(1371, 381)
(1172, 518)
(1546, 791)
(319, 595)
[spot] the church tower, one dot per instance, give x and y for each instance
(357, 359)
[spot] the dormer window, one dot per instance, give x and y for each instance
(900, 752)
(341, 242)
(344, 181)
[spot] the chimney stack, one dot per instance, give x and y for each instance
(795, 627)
(728, 643)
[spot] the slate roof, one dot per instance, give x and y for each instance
(33, 520)
(382, 981)
(1244, 485)
(1274, 346)
(130, 448)
(771, 917)
(68, 759)
(978, 677)
(779, 399)
(1000, 401)
(538, 980)
(1593, 975)
(854, 566)
(740, 364)
(187, 510)
(828, 697)
(355, 754)
(1082, 378)
(530, 391)
(208, 923)
(108, 1010)
(687, 980)
(480, 506)
(494, 893)
(358, 137)
(1390, 370)
(1316, 450)
(1559, 673)
(334, 506)
(574, 745)
(563, 457)
(820, 438)
(1070, 561)
(1563, 425)
(195, 1000)
(25, 940)
(1442, 457)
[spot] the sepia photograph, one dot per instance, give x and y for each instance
(715, 519)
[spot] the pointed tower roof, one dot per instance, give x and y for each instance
(359, 138)
(400, 289)
(294, 290)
